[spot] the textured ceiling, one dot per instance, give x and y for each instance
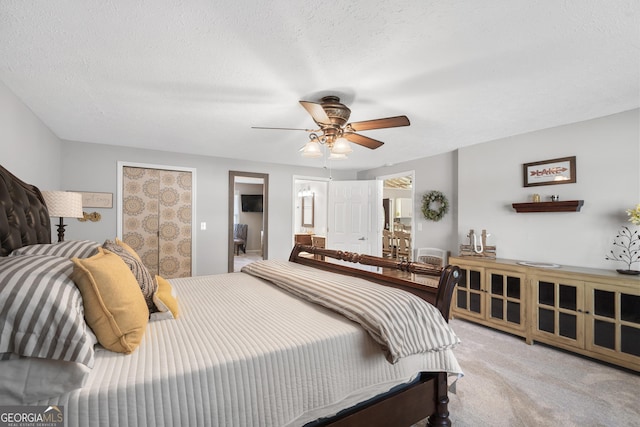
(194, 76)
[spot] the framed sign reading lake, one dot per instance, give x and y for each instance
(550, 172)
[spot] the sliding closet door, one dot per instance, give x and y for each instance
(156, 218)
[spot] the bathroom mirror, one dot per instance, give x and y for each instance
(307, 210)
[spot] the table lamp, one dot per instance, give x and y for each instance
(63, 204)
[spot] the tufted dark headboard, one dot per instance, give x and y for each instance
(24, 219)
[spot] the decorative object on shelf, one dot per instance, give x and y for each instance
(93, 217)
(535, 198)
(477, 248)
(626, 245)
(550, 172)
(564, 206)
(63, 204)
(434, 197)
(555, 198)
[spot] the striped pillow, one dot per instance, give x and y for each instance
(69, 249)
(41, 310)
(147, 283)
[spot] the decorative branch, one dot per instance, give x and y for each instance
(626, 247)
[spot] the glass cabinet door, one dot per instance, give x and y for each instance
(469, 292)
(558, 310)
(613, 322)
(506, 298)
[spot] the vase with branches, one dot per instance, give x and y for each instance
(626, 245)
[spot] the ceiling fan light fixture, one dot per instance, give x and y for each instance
(337, 156)
(341, 146)
(312, 149)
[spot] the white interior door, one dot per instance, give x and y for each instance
(355, 216)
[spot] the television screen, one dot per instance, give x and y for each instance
(251, 202)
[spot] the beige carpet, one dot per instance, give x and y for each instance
(509, 383)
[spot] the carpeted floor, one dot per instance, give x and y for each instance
(509, 383)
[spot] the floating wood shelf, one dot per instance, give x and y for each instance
(561, 206)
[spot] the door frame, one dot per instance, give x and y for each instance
(294, 198)
(120, 205)
(412, 174)
(265, 213)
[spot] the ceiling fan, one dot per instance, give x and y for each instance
(334, 130)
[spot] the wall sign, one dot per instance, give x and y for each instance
(550, 172)
(96, 200)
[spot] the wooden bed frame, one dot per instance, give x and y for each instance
(426, 397)
(24, 220)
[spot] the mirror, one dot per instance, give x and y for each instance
(307, 210)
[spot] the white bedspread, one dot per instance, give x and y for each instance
(242, 353)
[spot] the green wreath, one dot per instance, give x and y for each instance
(434, 197)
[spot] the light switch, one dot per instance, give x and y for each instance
(203, 226)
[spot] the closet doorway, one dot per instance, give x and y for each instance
(248, 218)
(156, 216)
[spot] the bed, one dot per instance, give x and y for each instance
(297, 342)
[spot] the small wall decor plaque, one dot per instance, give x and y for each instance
(550, 172)
(96, 200)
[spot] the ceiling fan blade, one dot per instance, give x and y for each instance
(317, 112)
(389, 122)
(262, 127)
(365, 141)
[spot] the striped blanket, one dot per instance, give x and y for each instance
(402, 323)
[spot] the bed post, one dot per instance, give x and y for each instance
(441, 416)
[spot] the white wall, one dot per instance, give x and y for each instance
(483, 180)
(607, 154)
(431, 173)
(93, 167)
(29, 149)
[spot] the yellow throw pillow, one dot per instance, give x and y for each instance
(114, 306)
(164, 298)
(128, 249)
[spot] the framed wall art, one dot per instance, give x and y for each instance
(550, 172)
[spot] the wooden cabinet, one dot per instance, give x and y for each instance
(558, 311)
(495, 297)
(302, 238)
(587, 311)
(589, 316)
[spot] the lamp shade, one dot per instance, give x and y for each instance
(63, 204)
(341, 146)
(312, 149)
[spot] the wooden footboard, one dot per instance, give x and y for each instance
(439, 296)
(425, 398)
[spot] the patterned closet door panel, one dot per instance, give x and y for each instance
(157, 219)
(175, 224)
